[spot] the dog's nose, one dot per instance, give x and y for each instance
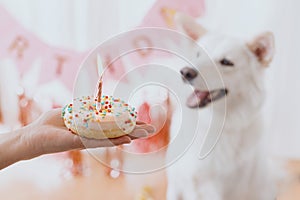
(188, 73)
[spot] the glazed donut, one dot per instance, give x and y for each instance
(110, 119)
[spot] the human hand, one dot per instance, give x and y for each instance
(48, 134)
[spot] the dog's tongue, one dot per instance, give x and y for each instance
(195, 99)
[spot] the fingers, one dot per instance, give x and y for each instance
(140, 123)
(147, 127)
(120, 140)
(53, 113)
(82, 142)
(93, 143)
(142, 130)
(138, 133)
(53, 117)
(56, 111)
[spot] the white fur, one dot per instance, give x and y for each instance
(237, 168)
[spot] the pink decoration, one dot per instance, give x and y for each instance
(23, 47)
(161, 13)
(57, 63)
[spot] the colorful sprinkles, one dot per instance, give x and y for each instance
(85, 110)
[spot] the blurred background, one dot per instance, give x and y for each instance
(43, 42)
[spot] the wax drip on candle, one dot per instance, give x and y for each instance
(100, 71)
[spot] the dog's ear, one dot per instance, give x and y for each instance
(263, 47)
(189, 26)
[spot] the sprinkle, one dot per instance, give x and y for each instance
(109, 105)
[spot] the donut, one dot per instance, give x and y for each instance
(110, 119)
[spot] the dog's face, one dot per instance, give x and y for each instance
(233, 69)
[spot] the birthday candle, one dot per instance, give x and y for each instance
(100, 71)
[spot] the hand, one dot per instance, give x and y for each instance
(48, 134)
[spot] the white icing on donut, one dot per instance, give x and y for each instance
(114, 118)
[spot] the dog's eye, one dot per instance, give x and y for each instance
(226, 62)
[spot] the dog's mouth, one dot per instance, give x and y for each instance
(201, 98)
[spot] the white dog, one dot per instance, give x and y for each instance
(236, 169)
